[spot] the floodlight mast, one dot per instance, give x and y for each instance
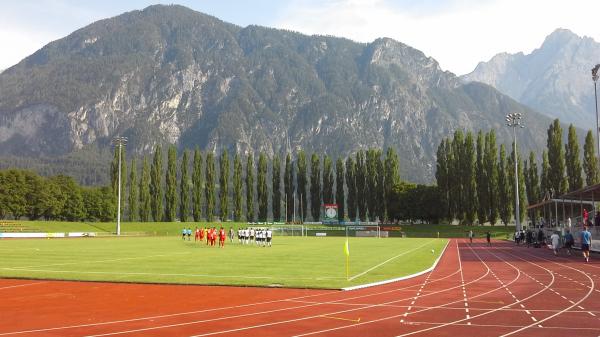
(119, 142)
(595, 79)
(514, 120)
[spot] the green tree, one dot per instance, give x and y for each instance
(469, 179)
(590, 162)
(457, 193)
(374, 199)
(391, 175)
(184, 188)
(171, 185)
(156, 185)
(288, 182)
(276, 184)
(210, 186)
(250, 188)
(556, 158)
(224, 184)
(441, 177)
(482, 184)
(133, 192)
(545, 178)
(197, 186)
(504, 188)
(262, 192)
(99, 203)
(573, 163)
(328, 181)
(361, 185)
(532, 180)
(339, 189)
(315, 187)
(491, 171)
(145, 198)
(351, 185)
(301, 180)
(237, 188)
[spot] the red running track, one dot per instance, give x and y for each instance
(475, 290)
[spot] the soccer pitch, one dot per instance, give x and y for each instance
(310, 262)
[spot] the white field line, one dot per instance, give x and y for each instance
(504, 326)
(403, 277)
(388, 260)
(97, 261)
(286, 321)
(22, 285)
(564, 310)
(231, 307)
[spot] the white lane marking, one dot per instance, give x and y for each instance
(22, 285)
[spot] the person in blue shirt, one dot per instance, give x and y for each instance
(183, 233)
(586, 242)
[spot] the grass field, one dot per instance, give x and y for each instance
(174, 228)
(291, 261)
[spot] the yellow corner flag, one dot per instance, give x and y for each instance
(347, 252)
(347, 248)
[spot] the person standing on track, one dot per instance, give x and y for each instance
(471, 236)
(586, 242)
(555, 239)
(488, 237)
(569, 241)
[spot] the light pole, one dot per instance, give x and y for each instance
(595, 79)
(513, 120)
(119, 142)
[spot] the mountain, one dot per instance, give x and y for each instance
(554, 79)
(168, 74)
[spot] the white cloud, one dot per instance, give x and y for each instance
(459, 34)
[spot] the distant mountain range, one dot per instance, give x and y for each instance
(555, 79)
(168, 74)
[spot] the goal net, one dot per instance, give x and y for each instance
(288, 230)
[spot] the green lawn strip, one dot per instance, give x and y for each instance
(291, 262)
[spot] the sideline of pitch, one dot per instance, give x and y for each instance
(368, 285)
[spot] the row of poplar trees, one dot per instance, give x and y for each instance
(360, 186)
(477, 183)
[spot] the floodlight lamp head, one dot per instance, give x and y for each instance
(595, 72)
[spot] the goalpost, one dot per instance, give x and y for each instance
(365, 231)
(288, 230)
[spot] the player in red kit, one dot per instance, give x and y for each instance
(222, 237)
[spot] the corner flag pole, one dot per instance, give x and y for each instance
(347, 252)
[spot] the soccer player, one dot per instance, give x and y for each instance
(231, 234)
(222, 237)
(586, 242)
(569, 241)
(201, 235)
(555, 239)
(189, 234)
(196, 234)
(183, 233)
(208, 230)
(269, 236)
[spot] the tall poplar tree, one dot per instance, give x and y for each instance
(351, 185)
(457, 192)
(545, 184)
(504, 185)
(171, 185)
(237, 188)
(276, 185)
(261, 188)
(590, 162)
(210, 177)
(133, 192)
(533, 181)
(197, 186)
(315, 187)
(301, 180)
(288, 181)
(250, 188)
(328, 181)
(573, 163)
(156, 185)
(184, 188)
(491, 171)
(339, 189)
(482, 185)
(469, 179)
(224, 185)
(361, 185)
(145, 192)
(392, 174)
(556, 158)
(380, 207)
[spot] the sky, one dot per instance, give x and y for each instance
(457, 33)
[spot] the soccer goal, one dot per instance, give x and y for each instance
(288, 230)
